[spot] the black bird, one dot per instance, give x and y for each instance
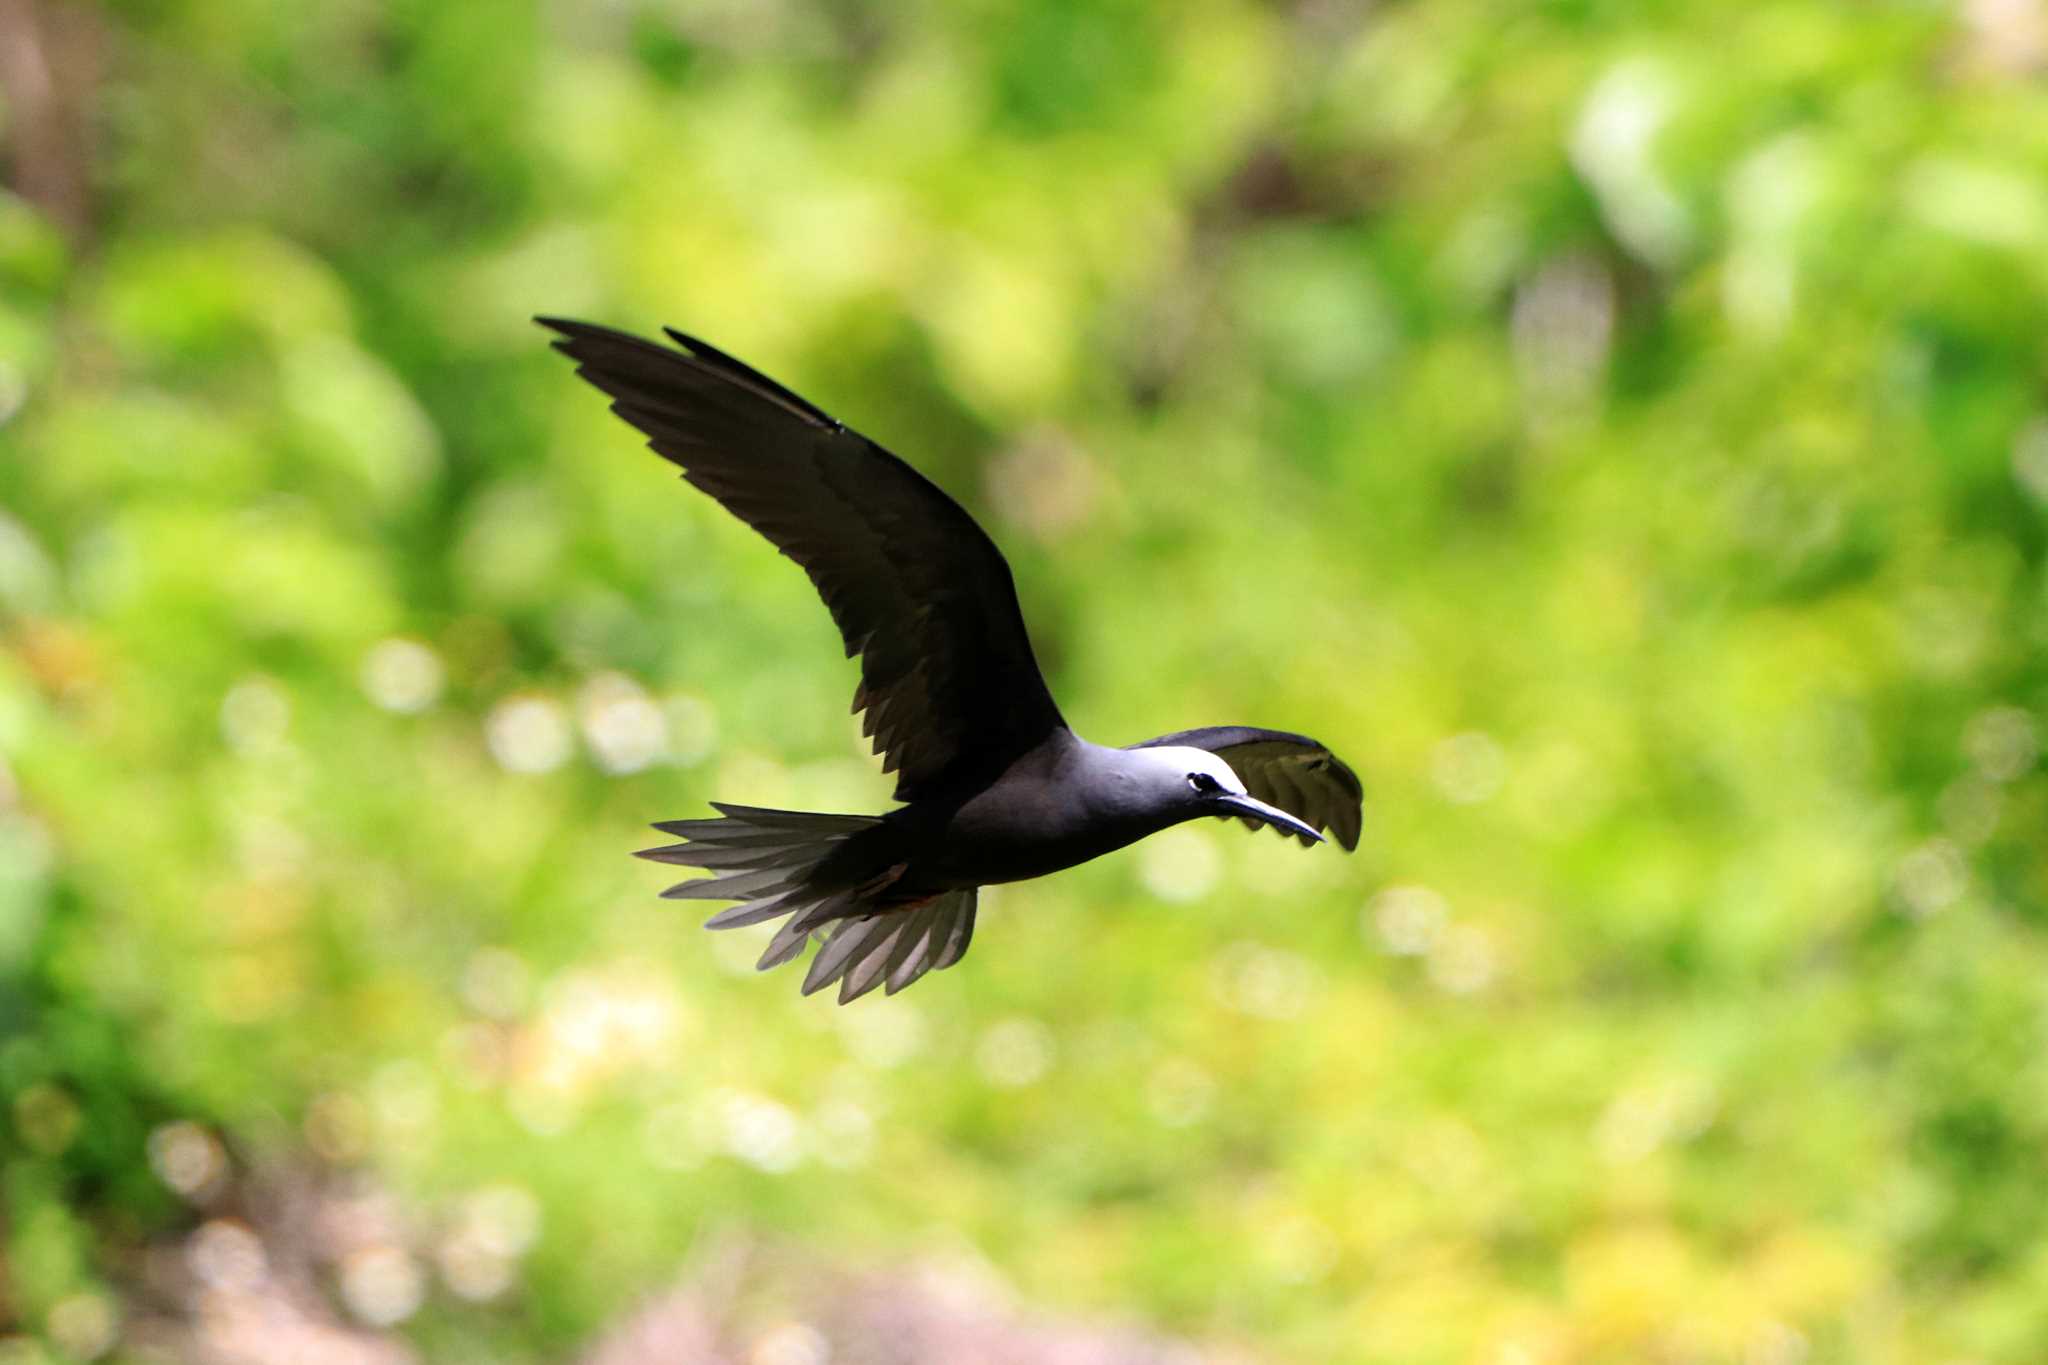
(996, 787)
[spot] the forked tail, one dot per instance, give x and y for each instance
(795, 863)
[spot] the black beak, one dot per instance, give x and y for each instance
(1258, 810)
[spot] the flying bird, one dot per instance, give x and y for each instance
(995, 787)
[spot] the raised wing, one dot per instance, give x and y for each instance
(1288, 770)
(917, 589)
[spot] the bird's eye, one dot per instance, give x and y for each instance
(1204, 784)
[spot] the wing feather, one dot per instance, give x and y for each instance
(919, 592)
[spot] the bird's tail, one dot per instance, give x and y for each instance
(780, 863)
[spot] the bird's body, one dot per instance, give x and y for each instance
(996, 787)
(1058, 806)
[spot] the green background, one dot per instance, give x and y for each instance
(1618, 430)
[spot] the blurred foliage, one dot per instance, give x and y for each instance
(1619, 430)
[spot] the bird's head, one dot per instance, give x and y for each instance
(1194, 782)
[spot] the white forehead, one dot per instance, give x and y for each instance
(1184, 760)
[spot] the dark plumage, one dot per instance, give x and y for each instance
(996, 787)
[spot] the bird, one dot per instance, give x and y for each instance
(994, 785)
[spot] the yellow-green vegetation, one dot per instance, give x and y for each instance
(1618, 430)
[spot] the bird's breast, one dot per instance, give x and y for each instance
(1014, 832)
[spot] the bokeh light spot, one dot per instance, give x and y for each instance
(1468, 768)
(254, 716)
(84, 1326)
(1931, 878)
(1015, 1052)
(382, 1285)
(759, 1131)
(1180, 864)
(882, 1033)
(402, 675)
(2003, 742)
(1270, 983)
(625, 730)
(1179, 1093)
(790, 1343)
(226, 1254)
(1463, 961)
(187, 1158)
(46, 1117)
(1407, 920)
(528, 735)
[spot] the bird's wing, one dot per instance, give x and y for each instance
(918, 590)
(1287, 770)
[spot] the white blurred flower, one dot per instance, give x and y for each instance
(528, 735)
(492, 1229)
(1270, 983)
(472, 1271)
(187, 1158)
(1407, 919)
(254, 716)
(791, 1343)
(402, 675)
(225, 1254)
(505, 1218)
(759, 1131)
(1931, 878)
(626, 731)
(1613, 146)
(598, 1021)
(1769, 194)
(2002, 742)
(382, 1285)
